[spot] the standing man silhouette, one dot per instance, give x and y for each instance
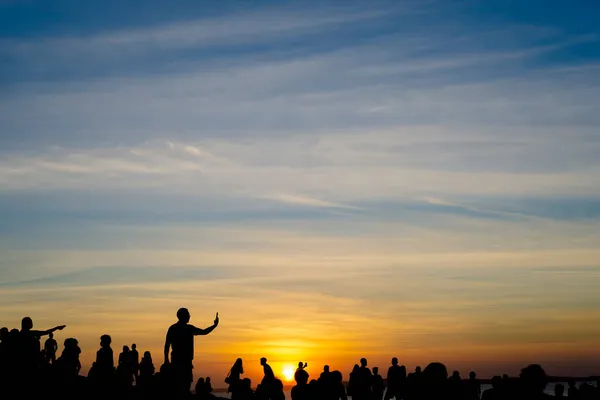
(50, 348)
(180, 338)
(135, 361)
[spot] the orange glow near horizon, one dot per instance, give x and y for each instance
(417, 314)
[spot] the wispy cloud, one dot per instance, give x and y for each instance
(241, 27)
(308, 201)
(338, 168)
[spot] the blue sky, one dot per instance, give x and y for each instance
(267, 149)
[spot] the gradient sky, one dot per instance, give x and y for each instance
(417, 179)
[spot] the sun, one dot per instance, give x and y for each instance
(288, 372)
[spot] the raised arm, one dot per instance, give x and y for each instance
(199, 331)
(52, 330)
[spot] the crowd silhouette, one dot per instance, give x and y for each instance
(30, 371)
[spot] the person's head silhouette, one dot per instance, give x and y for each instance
(278, 384)
(436, 373)
(363, 362)
(533, 378)
(394, 361)
(337, 377)
(183, 315)
(301, 377)
(375, 370)
(472, 375)
(26, 324)
(418, 369)
(51, 335)
(263, 361)
(200, 388)
(326, 368)
(133, 346)
(105, 341)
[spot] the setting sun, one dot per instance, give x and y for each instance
(288, 372)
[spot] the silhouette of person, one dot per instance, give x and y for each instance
(353, 380)
(325, 374)
(277, 392)
(245, 391)
(105, 363)
(267, 385)
(301, 391)
(413, 381)
(473, 387)
(269, 376)
(68, 363)
(204, 388)
(362, 388)
(30, 343)
(233, 379)
(125, 368)
(135, 360)
(4, 333)
(326, 384)
(4, 352)
(396, 379)
(495, 392)
(456, 387)
(338, 390)
(180, 338)
(377, 386)
(124, 356)
(200, 389)
(532, 382)
(434, 383)
(301, 366)
(146, 366)
(50, 348)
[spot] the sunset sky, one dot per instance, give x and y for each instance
(337, 179)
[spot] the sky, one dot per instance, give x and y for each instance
(337, 179)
